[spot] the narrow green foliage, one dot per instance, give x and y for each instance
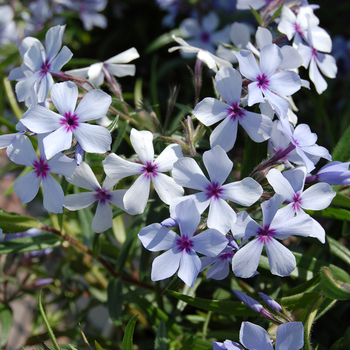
(129, 334)
(111, 127)
(257, 16)
(121, 132)
(13, 223)
(98, 346)
(5, 323)
(342, 149)
(338, 249)
(115, 300)
(332, 288)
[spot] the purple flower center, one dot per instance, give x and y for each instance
(45, 67)
(102, 195)
(296, 143)
(41, 168)
(204, 37)
(184, 243)
(213, 190)
(235, 112)
(263, 81)
(150, 169)
(70, 121)
(265, 234)
(296, 202)
(227, 256)
(297, 28)
(314, 53)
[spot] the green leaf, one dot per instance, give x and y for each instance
(338, 249)
(342, 149)
(161, 41)
(122, 130)
(154, 314)
(98, 346)
(129, 333)
(115, 299)
(162, 341)
(254, 153)
(334, 213)
(85, 218)
(225, 307)
(333, 288)
(49, 330)
(341, 200)
(346, 340)
(277, 13)
(14, 223)
(257, 16)
(29, 244)
(111, 127)
(5, 323)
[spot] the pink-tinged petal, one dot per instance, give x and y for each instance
(244, 192)
(103, 219)
(318, 231)
(61, 59)
(286, 25)
(53, 41)
(121, 70)
(79, 200)
(166, 187)
(165, 265)
(244, 227)
(221, 216)
(93, 106)
(327, 64)
(21, 151)
(290, 336)
(93, 138)
(246, 260)
(317, 197)
(281, 260)
(168, 157)
(117, 168)
(64, 97)
(316, 77)
(285, 83)
(225, 134)
(156, 237)
(142, 141)
(57, 141)
(53, 195)
(210, 111)
(284, 214)
(218, 164)
(41, 120)
(254, 94)
(125, 56)
(27, 186)
(136, 197)
(228, 83)
(257, 126)
(280, 184)
(44, 87)
(187, 173)
(254, 337)
(117, 198)
(84, 177)
(279, 104)
(190, 266)
(248, 65)
(61, 164)
(270, 59)
(300, 225)
(209, 242)
(270, 207)
(188, 217)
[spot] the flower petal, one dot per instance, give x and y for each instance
(290, 336)
(125, 56)
(27, 186)
(103, 219)
(228, 83)
(253, 336)
(248, 65)
(168, 157)
(210, 111)
(258, 126)
(64, 97)
(57, 141)
(166, 187)
(190, 266)
(156, 237)
(84, 177)
(221, 216)
(79, 200)
(209, 242)
(136, 197)
(53, 195)
(317, 197)
(142, 141)
(165, 265)
(41, 120)
(188, 217)
(21, 151)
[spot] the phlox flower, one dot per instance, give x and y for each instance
(115, 66)
(181, 250)
(228, 83)
(267, 80)
(35, 73)
(213, 192)
(84, 177)
(71, 121)
(290, 185)
(212, 61)
(27, 186)
(333, 173)
(203, 35)
(151, 170)
(275, 225)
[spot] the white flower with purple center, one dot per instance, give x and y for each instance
(38, 65)
(84, 177)
(290, 184)
(267, 80)
(27, 186)
(214, 193)
(71, 121)
(228, 83)
(275, 225)
(151, 170)
(181, 250)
